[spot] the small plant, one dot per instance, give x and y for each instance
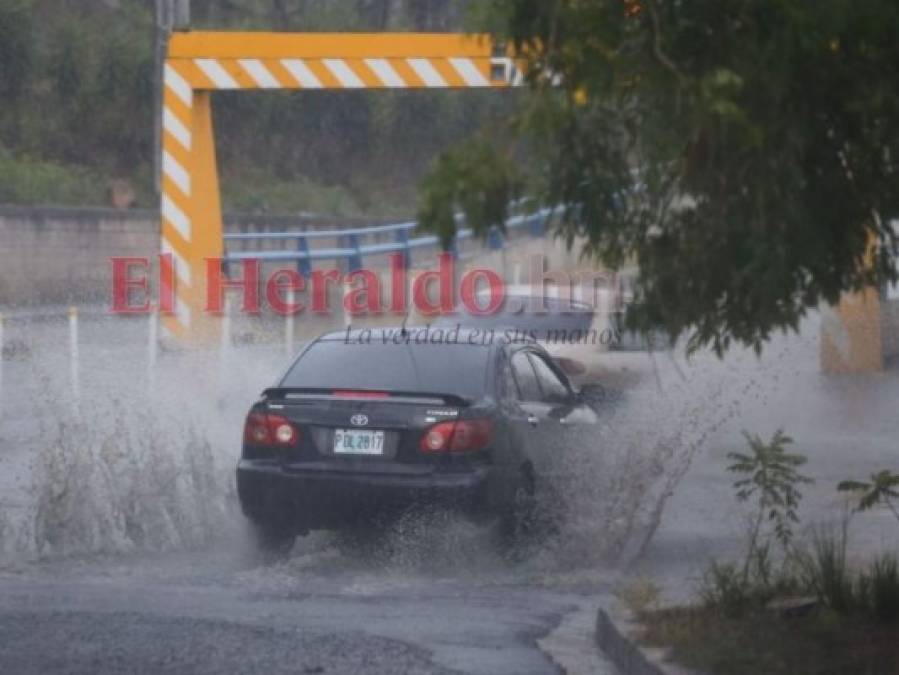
(770, 478)
(826, 573)
(640, 596)
(726, 588)
(881, 584)
(883, 488)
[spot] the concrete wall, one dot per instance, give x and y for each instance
(61, 255)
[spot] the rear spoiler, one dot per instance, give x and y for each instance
(300, 393)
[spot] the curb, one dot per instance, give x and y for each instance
(616, 633)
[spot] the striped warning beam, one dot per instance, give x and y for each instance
(341, 73)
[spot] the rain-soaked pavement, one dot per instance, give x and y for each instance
(121, 547)
(314, 613)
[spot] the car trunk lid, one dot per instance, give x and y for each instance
(361, 429)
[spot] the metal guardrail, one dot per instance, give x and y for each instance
(352, 249)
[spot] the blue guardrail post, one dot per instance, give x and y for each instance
(354, 261)
(402, 237)
(304, 265)
(495, 239)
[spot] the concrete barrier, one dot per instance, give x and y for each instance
(60, 255)
(617, 637)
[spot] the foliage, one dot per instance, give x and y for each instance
(253, 190)
(764, 642)
(16, 47)
(771, 479)
(484, 190)
(881, 588)
(826, 573)
(735, 590)
(743, 153)
(76, 81)
(726, 588)
(28, 181)
(821, 571)
(640, 595)
(883, 488)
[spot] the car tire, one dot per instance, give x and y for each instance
(520, 519)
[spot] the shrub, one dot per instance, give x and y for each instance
(881, 583)
(726, 589)
(826, 574)
(28, 181)
(772, 480)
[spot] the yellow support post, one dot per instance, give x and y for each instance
(851, 335)
(851, 332)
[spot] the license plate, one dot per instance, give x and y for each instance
(353, 442)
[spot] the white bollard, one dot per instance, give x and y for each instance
(288, 325)
(152, 348)
(386, 282)
(73, 352)
(411, 314)
(347, 317)
(224, 349)
(226, 327)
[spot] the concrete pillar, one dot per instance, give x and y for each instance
(851, 334)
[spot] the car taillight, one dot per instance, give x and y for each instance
(264, 429)
(458, 436)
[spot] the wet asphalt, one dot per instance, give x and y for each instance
(209, 612)
(327, 610)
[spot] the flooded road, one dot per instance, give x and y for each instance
(122, 546)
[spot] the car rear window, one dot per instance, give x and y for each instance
(441, 368)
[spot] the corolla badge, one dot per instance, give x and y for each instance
(359, 420)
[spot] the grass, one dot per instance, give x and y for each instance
(33, 181)
(254, 191)
(852, 628)
(764, 642)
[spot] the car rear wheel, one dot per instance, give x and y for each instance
(519, 521)
(534, 515)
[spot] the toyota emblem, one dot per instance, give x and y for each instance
(359, 420)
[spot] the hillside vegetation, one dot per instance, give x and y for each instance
(76, 81)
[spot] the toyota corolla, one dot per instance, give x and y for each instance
(363, 423)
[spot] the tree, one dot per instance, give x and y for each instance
(16, 48)
(742, 152)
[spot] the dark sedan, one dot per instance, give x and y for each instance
(369, 421)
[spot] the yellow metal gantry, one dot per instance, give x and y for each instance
(199, 63)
